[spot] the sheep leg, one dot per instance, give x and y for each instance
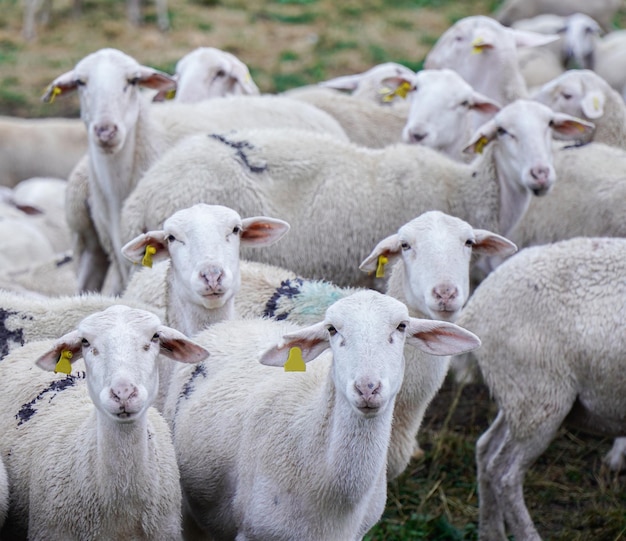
(615, 458)
(491, 519)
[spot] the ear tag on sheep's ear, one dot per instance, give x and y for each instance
(403, 89)
(387, 93)
(477, 46)
(55, 91)
(169, 94)
(295, 362)
(147, 256)
(64, 365)
(481, 144)
(380, 269)
(596, 103)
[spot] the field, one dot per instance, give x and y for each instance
(287, 43)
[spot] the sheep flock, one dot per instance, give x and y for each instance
(226, 314)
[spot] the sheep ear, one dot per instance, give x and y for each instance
(63, 84)
(439, 337)
(155, 79)
(311, 340)
(167, 94)
(388, 248)
(135, 250)
(526, 38)
(485, 134)
(242, 78)
(483, 104)
(488, 243)
(593, 104)
(178, 347)
(570, 125)
(345, 82)
(68, 347)
(396, 86)
(262, 231)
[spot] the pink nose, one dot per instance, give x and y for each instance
(445, 293)
(368, 390)
(123, 392)
(212, 276)
(541, 174)
(105, 132)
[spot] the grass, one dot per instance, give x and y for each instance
(288, 43)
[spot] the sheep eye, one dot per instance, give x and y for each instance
(465, 103)
(405, 246)
(170, 238)
(133, 81)
(470, 242)
(220, 73)
(85, 343)
(331, 330)
(402, 327)
(236, 230)
(566, 96)
(80, 82)
(501, 131)
(156, 337)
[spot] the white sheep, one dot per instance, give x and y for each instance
(126, 134)
(123, 481)
(610, 60)
(584, 94)
(41, 9)
(297, 452)
(551, 321)
(364, 122)
(370, 85)
(202, 246)
(337, 197)
(442, 107)
(39, 147)
(484, 53)
(207, 72)
(52, 277)
(22, 243)
(600, 10)
(4, 493)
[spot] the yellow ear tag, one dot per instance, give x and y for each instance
(477, 46)
(596, 103)
(380, 269)
(55, 92)
(169, 94)
(147, 257)
(403, 89)
(64, 364)
(480, 145)
(295, 362)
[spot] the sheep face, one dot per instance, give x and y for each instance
(120, 347)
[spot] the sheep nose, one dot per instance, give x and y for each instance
(415, 137)
(367, 389)
(122, 392)
(105, 131)
(212, 276)
(445, 293)
(541, 174)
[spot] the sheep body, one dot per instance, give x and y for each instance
(565, 362)
(54, 277)
(303, 177)
(46, 147)
(4, 493)
(123, 475)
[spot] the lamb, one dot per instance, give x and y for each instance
(442, 106)
(42, 8)
(124, 480)
(364, 122)
(564, 362)
(43, 147)
(370, 85)
(584, 94)
(202, 246)
(297, 452)
(303, 177)
(484, 53)
(126, 135)
(602, 11)
(207, 72)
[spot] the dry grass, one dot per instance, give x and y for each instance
(287, 43)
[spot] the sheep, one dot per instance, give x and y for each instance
(584, 94)
(22, 243)
(4, 493)
(297, 452)
(551, 322)
(364, 122)
(42, 147)
(484, 53)
(126, 135)
(123, 481)
(610, 60)
(600, 10)
(42, 8)
(370, 85)
(442, 106)
(207, 72)
(53, 277)
(202, 245)
(303, 177)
